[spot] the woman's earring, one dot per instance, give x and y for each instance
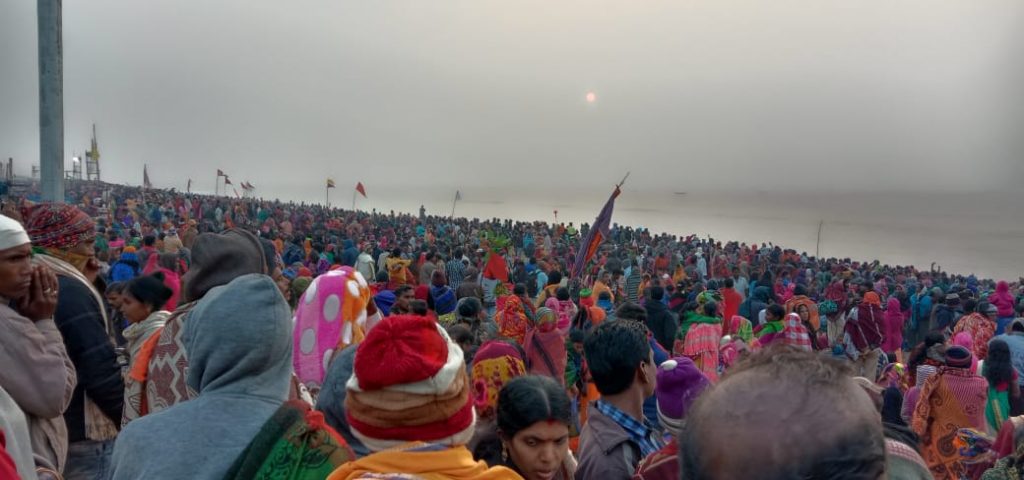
(504, 452)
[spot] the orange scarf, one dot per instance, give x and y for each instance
(455, 463)
(140, 364)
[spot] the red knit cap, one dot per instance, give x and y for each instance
(408, 363)
(399, 350)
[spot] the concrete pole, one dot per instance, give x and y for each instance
(51, 100)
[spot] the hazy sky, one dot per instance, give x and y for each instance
(691, 95)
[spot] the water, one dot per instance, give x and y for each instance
(964, 233)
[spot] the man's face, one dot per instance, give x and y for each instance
(86, 248)
(114, 299)
(403, 300)
(650, 371)
(16, 271)
(578, 347)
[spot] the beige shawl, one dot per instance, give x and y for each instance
(97, 426)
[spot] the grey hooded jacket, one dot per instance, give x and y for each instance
(239, 344)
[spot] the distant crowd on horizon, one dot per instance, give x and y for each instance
(159, 334)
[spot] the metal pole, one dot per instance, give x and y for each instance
(51, 100)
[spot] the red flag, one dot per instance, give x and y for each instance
(227, 181)
(220, 173)
(145, 177)
(361, 189)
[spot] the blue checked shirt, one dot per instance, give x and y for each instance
(456, 272)
(642, 433)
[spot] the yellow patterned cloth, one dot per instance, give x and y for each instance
(496, 362)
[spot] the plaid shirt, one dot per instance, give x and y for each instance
(455, 271)
(642, 433)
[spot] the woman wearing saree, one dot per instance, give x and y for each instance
(952, 399)
(545, 347)
(1003, 391)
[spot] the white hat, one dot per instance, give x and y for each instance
(12, 234)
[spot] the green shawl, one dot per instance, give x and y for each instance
(745, 332)
(770, 328)
(689, 320)
(294, 444)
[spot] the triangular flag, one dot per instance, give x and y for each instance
(145, 177)
(220, 173)
(227, 181)
(361, 189)
(330, 183)
(596, 236)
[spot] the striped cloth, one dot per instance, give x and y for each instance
(633, 285)
(701, 346)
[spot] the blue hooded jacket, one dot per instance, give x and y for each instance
(350, 254)
(126, 268)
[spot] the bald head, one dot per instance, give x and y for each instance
(784, 414)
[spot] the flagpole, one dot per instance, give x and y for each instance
(817, 247)
(353, 200)
(216, 186)
(623, 180)
(145, 170)
(456, 199)
(327, 196)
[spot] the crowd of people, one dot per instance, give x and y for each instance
(159, 334)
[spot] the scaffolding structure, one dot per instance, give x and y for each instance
(92, 159)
